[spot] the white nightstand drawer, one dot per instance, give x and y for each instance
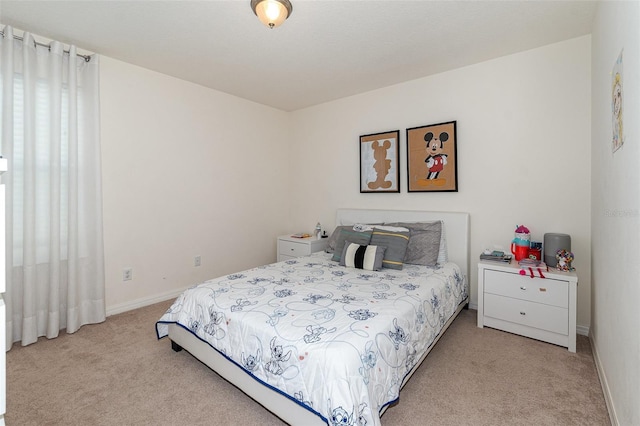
(540, 290)
(291, 248)
(531, 314)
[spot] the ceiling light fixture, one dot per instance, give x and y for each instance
(272, 13)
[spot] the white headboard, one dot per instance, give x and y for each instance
(456, 227)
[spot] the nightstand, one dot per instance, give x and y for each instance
(540, 308)
(290, 247)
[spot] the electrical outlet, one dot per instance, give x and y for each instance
(197, 261)
(127, 274)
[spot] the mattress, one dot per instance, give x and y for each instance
(338, 341)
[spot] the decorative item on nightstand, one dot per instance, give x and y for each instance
(552, 243)
(535, 251)
(521, 242)
(532, 267)
(564, 259)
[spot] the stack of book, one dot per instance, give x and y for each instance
(496, 256)
(301, 235)
(532, 263)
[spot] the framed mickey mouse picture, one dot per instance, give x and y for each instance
(379, 162)
(432, 160)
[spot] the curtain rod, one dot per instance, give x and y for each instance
(86, 58)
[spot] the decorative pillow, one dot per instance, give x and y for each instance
(396, 243)
(348, 233)
(424, 246)
(333, 238)
(362, 257)
(426, 226)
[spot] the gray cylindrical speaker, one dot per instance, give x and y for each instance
(552, 243)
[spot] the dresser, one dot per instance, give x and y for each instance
(290, 247)
(535, 307)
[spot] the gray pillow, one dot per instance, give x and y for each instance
(347, 233)
(424, 246)
(396, 243)
(333, 238)
(427, 245)
(362, 257)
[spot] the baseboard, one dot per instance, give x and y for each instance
(145, 301)
(582, 330)
(604, 383)
(473, 306)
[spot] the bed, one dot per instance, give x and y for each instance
(319, 343)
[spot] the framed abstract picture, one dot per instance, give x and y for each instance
(617, 105)
(379, 162)
(432, 160)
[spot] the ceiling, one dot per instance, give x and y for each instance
(326, 50)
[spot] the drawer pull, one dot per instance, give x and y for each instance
(523, 313)
(543, 289)
(523, 288)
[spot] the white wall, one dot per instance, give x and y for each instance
(186, 171)
(523, 125)
(615, 211)
(171, 180)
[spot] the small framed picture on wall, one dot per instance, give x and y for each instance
(379, 162)
(432, 158)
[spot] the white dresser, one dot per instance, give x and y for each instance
(3, 311)
(540, 308)
(290, 247)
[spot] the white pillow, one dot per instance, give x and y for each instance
(362, 227)
(443, 254)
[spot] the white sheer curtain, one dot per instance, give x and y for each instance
(51, 138)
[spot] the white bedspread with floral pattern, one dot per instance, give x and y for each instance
(337, 340)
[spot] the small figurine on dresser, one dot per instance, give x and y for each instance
(564, 259)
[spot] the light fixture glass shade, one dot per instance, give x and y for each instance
(272, 13)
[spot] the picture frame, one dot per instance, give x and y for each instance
(379, 162)
(617, 109)
(432, 158)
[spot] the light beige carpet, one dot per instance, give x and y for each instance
(117, 373)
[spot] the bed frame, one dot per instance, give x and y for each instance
(457, 235)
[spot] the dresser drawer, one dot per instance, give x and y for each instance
(293, 249)
(531, 314)
(540, 290)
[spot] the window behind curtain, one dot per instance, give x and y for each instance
(42, 169)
